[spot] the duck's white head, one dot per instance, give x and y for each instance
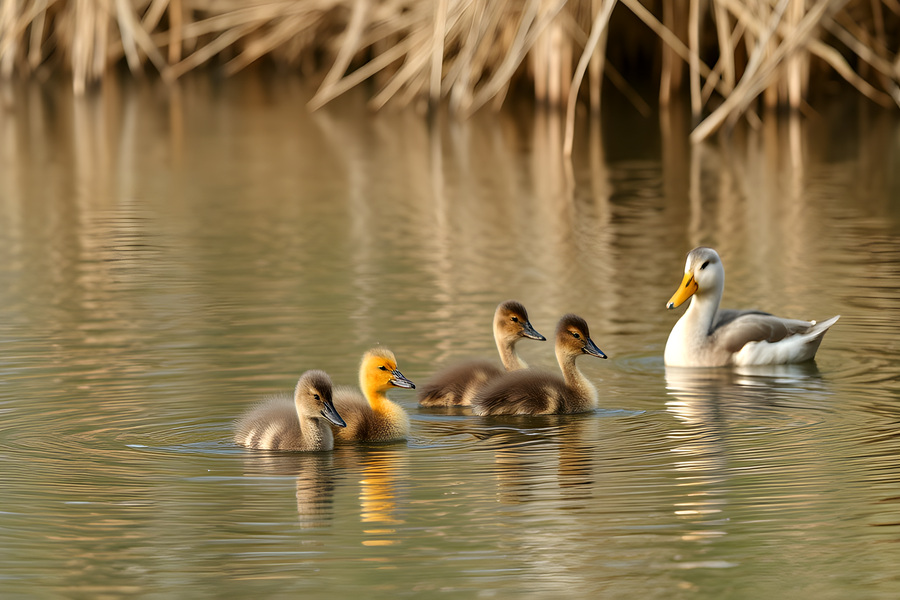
(703, 273)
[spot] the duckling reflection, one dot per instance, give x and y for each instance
(525, 460)
(381, 472)
(457, 384)
(292, 423)
(315, 476)
(530, 392)
(371, 416)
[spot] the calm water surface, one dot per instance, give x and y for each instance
(167, 256)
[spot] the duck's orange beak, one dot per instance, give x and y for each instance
(687, 289)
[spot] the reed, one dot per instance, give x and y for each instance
(732, 57)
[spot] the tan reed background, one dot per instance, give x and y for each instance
(733, 57)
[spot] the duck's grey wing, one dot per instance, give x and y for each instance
(727, 315)
(734, 331)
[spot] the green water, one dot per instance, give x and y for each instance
(169, 255)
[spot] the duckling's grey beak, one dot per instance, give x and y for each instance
(530, 332)
(591, 348)
(331, 413)
(400, 381)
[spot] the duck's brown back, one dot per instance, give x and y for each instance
(529, 392)
(457, 384)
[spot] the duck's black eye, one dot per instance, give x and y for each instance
(514, 319)
(383, 368)
(316, 396)
(704, 265)
(575, 335)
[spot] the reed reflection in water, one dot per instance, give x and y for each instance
(170, 254)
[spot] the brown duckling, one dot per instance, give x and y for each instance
(530, 392)
(457, 384)
(371, 416)
(285, 423)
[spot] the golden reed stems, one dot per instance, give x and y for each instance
(732, 57)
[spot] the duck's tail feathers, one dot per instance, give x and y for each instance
(813, 337)
(819, 329)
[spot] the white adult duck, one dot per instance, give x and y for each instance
(706, 336)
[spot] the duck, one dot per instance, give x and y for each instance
(531, 392)
(302, 422)
(370, 416)
(707, 336)
(457, 384)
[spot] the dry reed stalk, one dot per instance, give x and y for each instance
(8, 40)
(601, 22)
(437, 52)
(726, 43)
(36, 41)
(597, 61)
(469, 64)
(694, 58)
(795, 63)
(176, 22)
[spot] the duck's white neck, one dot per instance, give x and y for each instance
(701, 313)
(575, 379)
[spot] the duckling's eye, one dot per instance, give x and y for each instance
(316, 396)
(575, 335)
(704, 265)
(383, 368)
(514, 319)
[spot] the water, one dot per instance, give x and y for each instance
(167, 256)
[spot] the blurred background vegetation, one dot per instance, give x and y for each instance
(731, 58)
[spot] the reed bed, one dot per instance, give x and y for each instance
(732, 57)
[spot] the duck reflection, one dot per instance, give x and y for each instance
(315, 475)
(706, 396)
(709, 402)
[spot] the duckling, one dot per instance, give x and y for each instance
(706, 336)
(529, 392)
(457, 384)
(371, 416)
(285, 423)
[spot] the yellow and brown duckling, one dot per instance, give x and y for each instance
(708, 336)
(300, 422)
(530, 392)
(456, 385)
(370, 415)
